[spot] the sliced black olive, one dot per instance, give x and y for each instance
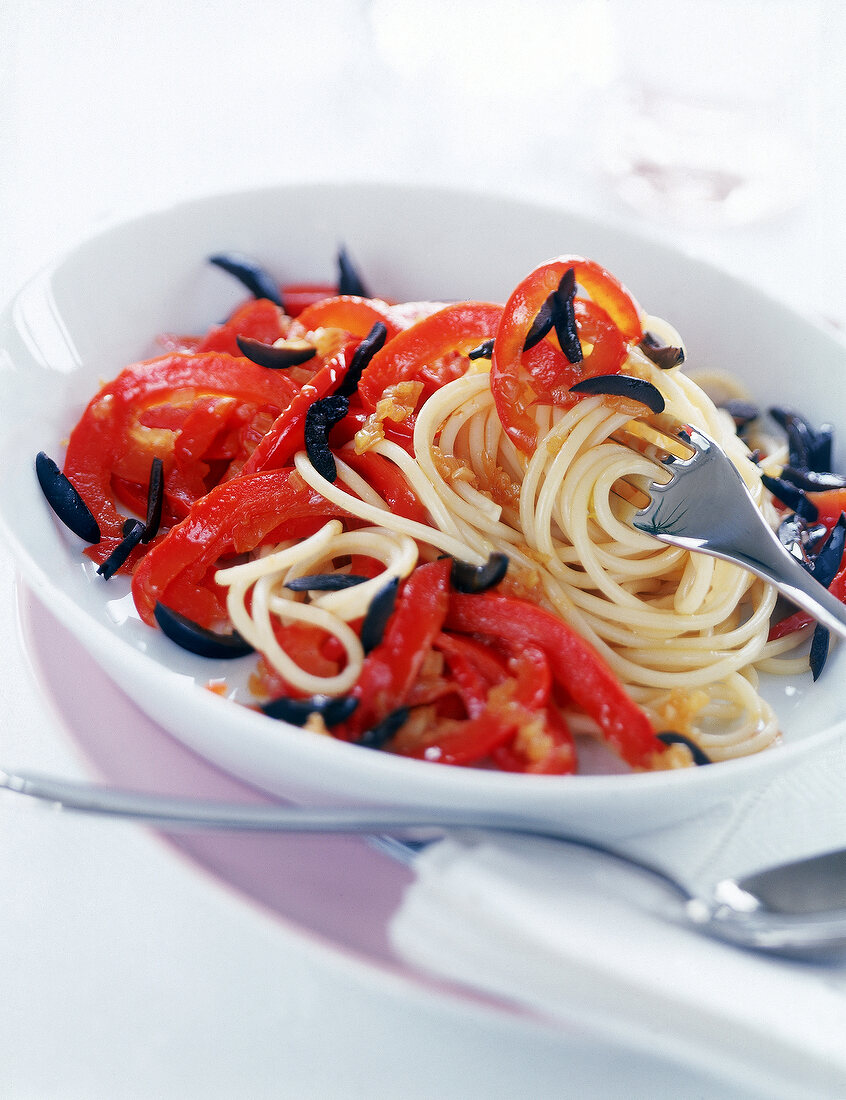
(670, 737)
(791, 496)
(813, 481)
(622, 385)
(325, 582)
(133, 533)
(478, 578)
(297, 712)
(827, 562)
(564, 317)
(382, 733)
(483, 351)
(795, 536)
(65, 501)
(664, 356)
(374, 341)
(258, 281)
(321, 417)
(741, 412)
(818, 654)
(542, 323)
(276, 358)
(821, 449)
(197, 639)
(809, 449)
(155, 500)
(378, 613)
(349, 280)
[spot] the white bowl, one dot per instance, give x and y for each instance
(99, 309)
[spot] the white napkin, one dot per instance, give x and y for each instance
(582, 941)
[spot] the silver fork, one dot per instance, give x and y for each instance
(706, 506)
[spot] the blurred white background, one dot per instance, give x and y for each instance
(105, 107)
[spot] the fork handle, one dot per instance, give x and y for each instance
(765, 556)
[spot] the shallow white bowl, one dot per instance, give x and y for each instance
(100, 307)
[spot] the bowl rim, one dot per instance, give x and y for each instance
(445, 780)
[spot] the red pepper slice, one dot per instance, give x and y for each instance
(574, 663)
(235, 517)
(258, 319)
(111, 430)
(287, 434)
(389, 483)
(830, 503)
(459, 327)
(298, 296)
(349, 312)
(391, 669)
(608, 322)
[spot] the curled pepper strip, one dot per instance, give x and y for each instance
(574, 664)
(455, 328)
(609, 321)
(349, 312)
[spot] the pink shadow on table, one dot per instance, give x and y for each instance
(340, 889)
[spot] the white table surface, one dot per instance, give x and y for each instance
(127, 970)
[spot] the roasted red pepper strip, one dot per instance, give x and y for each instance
(391, 669)
(112, 424)
(287, 435)
(234, 517)
(455, 328)
(349, 312)
(830, 503)
(574, 664)
(389, 483)
(298, 296)
(258, 319)
(614, 307)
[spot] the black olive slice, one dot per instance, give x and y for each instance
(541, 325)
(276, 357)
(664, 356)
(809, 449)
(321, 417)
(297, 712)
(818, 654)
(741, 412)
(325, 582)
(792, 496)
(155, 500)
(564, 316)
(65, 501)
(258, 281)
(827, 562)
(198, 639)
(374, 341)
(813, 481)
(478, 578)
(482, 351)
(382, 733)
(133, 533)
(378, 613)
(622, 385)
(349, 280)
(670, 737)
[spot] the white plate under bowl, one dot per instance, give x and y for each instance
(99, 309)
